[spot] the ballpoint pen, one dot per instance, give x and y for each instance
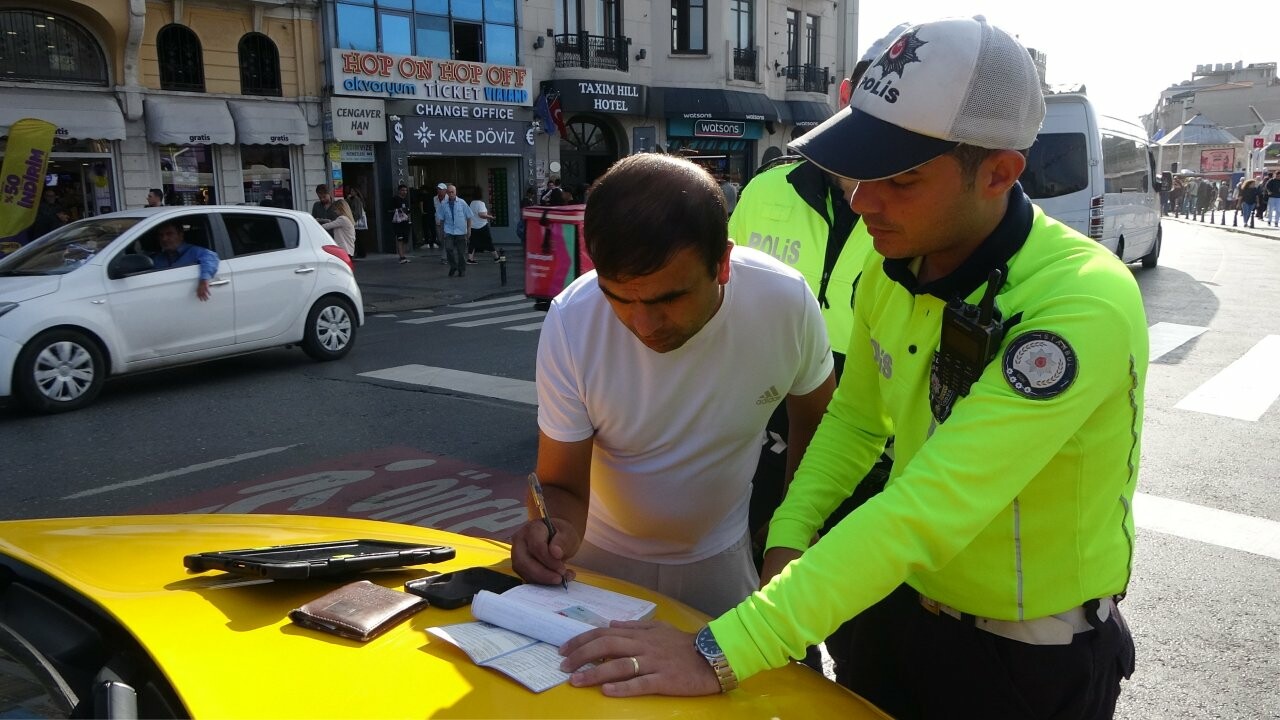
(535, 487)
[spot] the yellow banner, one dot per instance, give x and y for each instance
(26, 159)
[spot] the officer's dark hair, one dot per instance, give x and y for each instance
(970, 158)
(157, 192)
(648, 207)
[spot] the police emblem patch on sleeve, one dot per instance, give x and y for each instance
(1040, 365)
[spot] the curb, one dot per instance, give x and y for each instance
(1256, 232)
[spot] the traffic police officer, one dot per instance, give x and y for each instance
(1008, 355)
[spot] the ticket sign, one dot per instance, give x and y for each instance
(424, 135)
(407, 77)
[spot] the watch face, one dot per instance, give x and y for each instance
(707, 644)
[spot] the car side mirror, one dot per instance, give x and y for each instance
(1157, 185)
(127, 265)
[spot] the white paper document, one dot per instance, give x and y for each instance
(521, 630)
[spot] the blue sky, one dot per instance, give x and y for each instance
(1118, 49)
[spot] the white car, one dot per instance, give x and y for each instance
(87, 300)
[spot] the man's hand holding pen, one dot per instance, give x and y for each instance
(541, 546)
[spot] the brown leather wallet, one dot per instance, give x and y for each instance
(358, 611)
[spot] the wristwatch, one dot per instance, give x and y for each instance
(710, 649)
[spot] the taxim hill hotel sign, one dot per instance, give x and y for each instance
(406, 77)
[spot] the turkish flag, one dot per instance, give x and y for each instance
(1257, 143)
(557, 114)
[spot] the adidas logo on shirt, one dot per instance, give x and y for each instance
(769, 396)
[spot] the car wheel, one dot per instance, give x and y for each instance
(59, 370)
(1150, 259)
(331, 329)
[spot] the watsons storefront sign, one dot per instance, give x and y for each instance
(406, 77)
(719, 128)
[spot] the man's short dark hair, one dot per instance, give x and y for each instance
(648, 207)
(322, 189)
(970, 158)
(169, 223)
(156, 191)
(402, 186)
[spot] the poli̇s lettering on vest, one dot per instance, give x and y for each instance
(22, 179)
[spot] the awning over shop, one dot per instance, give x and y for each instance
(189, 121)
(80, 115)
(262, 122)
(708, 103)
(709, 145)
(807, 113)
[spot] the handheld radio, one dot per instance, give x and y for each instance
(971, 337)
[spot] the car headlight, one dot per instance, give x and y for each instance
(7, 306)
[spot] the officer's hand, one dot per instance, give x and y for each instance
(666, 662)
(539, 562)
(774, 560)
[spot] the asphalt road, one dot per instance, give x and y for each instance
(428, 421)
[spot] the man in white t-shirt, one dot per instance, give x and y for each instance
(656, 375)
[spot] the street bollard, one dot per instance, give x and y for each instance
(502, 265)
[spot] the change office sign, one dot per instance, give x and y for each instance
(425, 135)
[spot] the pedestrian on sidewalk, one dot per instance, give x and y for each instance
(442, 194)
(402, 222)
(343, 228)
(1273, 199)
(481, 239)
(322, 208)
(355, 199)
(456, 219)
(1248, 200)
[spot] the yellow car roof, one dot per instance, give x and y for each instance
(229, 651)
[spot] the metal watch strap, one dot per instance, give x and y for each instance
(707, 646)
(724, 673)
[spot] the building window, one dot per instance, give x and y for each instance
(568, 17)
(811, 39)
(689, 26)
(186, 174)
(608, 18)
(744, 45)
(181, 60)
(259, 65)
(267, 180)
(793, 37)
(42, 46)
(473, 30)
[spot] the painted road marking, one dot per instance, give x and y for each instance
(457, 315)
(526, 328)
(1245, 388)
(385, 315)
(493, 301)
(1167, 337)
(521, 391)
(180, 471)
(505, 318)
(1208, 525)
(396, 484)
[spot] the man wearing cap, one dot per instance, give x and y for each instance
(985, 575)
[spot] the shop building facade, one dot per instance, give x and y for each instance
(728, 85)
(213, 102)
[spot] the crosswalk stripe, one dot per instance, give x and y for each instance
(457, 315)
(493, 301)
(1209, 525)
(521, 391)
(1245, 388)
(495, 321)
(525, 328)
(1167, 337)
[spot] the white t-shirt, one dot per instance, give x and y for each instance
(678, 434)
(477, 207)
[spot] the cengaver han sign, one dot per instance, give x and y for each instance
(423, 135)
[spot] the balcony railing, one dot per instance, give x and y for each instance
(806, 78)
(744, 64)
(592, 51)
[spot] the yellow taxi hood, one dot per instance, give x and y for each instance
(226, 645)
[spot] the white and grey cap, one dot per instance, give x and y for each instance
(938, 85)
